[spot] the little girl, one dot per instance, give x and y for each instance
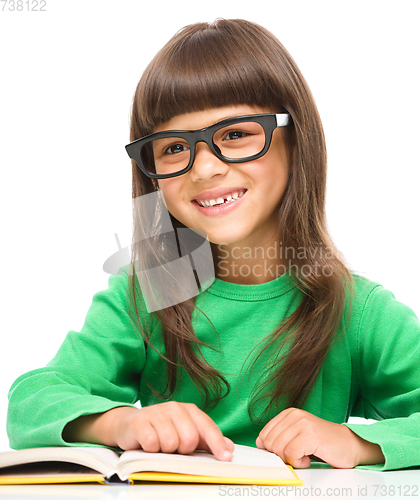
(286, 343)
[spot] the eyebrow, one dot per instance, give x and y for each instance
(207, 126)
(226, 118)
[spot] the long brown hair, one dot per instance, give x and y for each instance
(232, 62)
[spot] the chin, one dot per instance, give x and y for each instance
(222, 239)
(219, 236)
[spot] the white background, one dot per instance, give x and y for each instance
(67, 80)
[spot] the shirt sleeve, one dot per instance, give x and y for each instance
(389, 378)
(94, 370)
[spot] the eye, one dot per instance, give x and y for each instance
(175, 148)
(234, 134)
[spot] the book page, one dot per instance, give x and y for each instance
(247, 462)
(100, 459)
(242, 455)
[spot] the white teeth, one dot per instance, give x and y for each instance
(229, 199)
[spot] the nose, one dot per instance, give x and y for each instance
(206, 165)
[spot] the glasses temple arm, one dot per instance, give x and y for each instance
(283, 119)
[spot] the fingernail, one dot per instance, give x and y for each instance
(226, 455)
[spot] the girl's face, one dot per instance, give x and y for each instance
(249, 221)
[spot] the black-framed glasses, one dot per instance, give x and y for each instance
(236, 140)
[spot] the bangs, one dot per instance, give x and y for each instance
(212, 66)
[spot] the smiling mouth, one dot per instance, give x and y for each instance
(229, 198)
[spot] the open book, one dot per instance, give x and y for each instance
(96, 464)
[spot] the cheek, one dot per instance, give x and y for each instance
(172, 196)
(278, 171)
(273, 175)
(168, 188)
(274, 185)
(169, 201)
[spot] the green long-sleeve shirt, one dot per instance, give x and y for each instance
(373, 371)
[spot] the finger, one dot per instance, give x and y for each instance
(290, 417)
(230, 444)
(300, 463)
(277, 439)
(211, 437)
(291, 430)
(186, 429)
(148, 438)
(297, 453)
(260, 443)
(283, 431)
(166, 433)
(274, 421)
(317, 459)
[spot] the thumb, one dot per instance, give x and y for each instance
(299, 463)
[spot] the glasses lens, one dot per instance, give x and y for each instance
(165, 156)
(240, 140)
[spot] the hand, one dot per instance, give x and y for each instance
(170, 427)
(295, 435)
